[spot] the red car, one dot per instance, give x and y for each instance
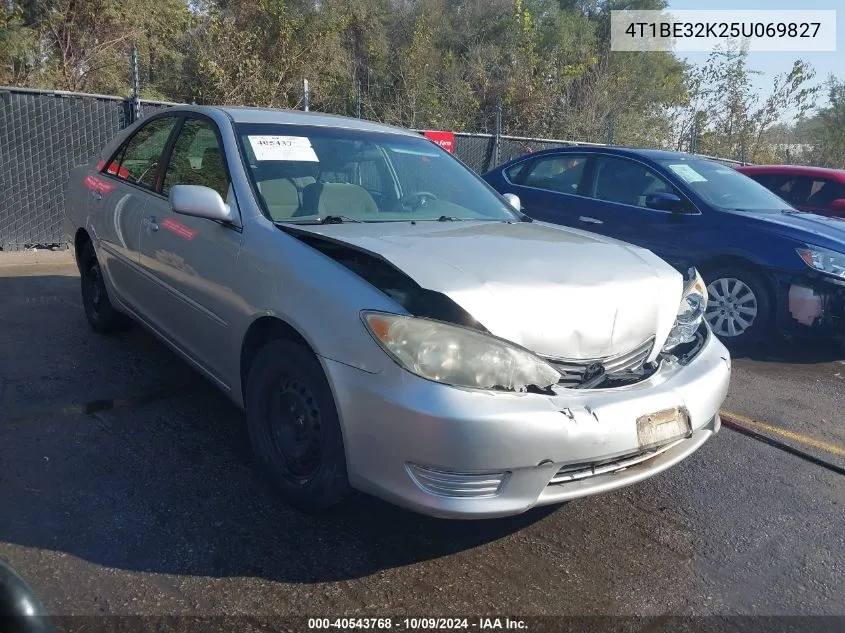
(813, 189)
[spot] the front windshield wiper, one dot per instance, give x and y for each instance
(337, 219)
(448, 218)
(329, 219)
(795, 212)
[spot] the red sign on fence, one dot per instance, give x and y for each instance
(446, 140)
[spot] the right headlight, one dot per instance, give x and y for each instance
(456, 355)
(690, 313)
(823, 260)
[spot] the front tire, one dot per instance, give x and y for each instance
(101, 314)
(740, 306)
(294, 427)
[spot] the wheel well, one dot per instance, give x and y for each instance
(734, 261)
(262, 331)
(80, 241)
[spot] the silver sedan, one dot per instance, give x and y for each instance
(388, 322)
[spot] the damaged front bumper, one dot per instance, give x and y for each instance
(810, 303)
(460, 453)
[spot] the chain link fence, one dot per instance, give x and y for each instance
(45, 134)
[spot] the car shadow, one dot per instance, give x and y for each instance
(797, 351)
(118, 453)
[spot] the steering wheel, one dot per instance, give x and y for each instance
(415, 200)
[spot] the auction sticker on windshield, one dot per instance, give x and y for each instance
(289, 148)
(687, 173)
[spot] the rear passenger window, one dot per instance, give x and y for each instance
(514, 172)
(137, 160)
(794, 189)
(561, 174)
(823, 192)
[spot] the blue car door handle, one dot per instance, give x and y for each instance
(588, 220)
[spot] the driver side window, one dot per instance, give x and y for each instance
(138, 158)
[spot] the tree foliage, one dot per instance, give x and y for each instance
(827, 130)
(728, 117)
(418, 63)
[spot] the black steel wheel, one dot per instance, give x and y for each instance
(102, 316)
(294, 426)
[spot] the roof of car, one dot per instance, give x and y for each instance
(795, 170)
(241, 114)
(652, 154)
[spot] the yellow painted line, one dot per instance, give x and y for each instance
(742, 420)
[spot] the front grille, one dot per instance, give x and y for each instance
(619, 365)
(574, 472)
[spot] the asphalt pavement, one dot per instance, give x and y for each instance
(127, 487)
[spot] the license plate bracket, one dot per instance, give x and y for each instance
(663, 427)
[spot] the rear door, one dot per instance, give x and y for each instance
(193, 261)
(548, 187)
(119, 195)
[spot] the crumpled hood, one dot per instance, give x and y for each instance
(557, 291)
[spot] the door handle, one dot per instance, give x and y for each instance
(588, 220)
(151, 223)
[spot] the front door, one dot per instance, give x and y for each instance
(616, 204)
(193, 260)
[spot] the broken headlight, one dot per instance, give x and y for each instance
(824, 260)
(690, 313)
(456, 355)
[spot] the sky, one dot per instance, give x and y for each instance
(774, 63)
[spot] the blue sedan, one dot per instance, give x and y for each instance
(767, 264)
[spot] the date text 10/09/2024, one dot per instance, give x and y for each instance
(418, 624)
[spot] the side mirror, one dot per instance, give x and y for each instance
(838, 204)
(200, 202)
(664, 202)
(513, 200)
(20, 609)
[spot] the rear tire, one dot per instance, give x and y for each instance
(101, 314)
(294, 427)
(740, 306)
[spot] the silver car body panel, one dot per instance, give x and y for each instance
(557, 291)
(391, 422)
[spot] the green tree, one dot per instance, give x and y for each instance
(731, 116)
(827, 132)
(18, 47)
(83, 45)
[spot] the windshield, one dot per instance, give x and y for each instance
(723, 187)
(308, 174)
